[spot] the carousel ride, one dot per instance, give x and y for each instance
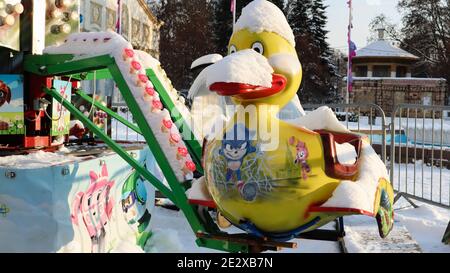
(276, 184)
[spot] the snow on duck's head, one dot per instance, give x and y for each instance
(263, 16)
(262, 62)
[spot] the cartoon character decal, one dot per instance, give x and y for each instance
(4, 210)
(137, 204)
(5, 93)
(95, 206)
(62, 111)
(301, 156)
(236, 145)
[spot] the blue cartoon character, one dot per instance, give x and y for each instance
(236, 145)
(137, 204)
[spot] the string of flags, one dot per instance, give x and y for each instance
(233, 11)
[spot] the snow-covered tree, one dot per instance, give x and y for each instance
(185, 36)
(426, 33)
(308, 20)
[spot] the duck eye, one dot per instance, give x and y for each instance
(233, 49)
(258, 47)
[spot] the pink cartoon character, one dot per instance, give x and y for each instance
(62, 111)
(301, 156)
(95, 206)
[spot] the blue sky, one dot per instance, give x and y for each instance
(363, 12)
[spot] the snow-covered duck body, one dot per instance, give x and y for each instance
(269, 177)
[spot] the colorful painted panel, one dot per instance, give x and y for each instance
(11, 105)
(60, 115)
(99, 205)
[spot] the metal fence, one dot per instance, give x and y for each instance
(120, 132)
(415, 146)
(420, 153)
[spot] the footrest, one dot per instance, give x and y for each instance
(256, 244)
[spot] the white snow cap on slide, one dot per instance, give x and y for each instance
(262, 15)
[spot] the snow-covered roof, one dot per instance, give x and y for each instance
(262, 15)
(383, 48)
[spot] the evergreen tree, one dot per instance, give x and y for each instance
(318, 24)
(185, 36)
(223, 20)
(426, 29)
(308, 21)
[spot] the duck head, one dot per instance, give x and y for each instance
(262, 66)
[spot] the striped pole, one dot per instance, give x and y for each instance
(233, 10)
(350, 54)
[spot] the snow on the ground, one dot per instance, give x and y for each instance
(415, 230)
(437, 131)
(426, 225)
(362, 236)
(36, 160)
(433, 186)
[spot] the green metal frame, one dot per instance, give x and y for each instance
(106, 67)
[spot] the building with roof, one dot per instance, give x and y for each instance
(138, 25)
(382, 74)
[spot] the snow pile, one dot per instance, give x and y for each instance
(360, 194)
(36, 160)
(427, 225)
(346, 153)
(321, 119)
(199, 191)
(245, 66)
(261, 15)
(100, 43)
(383, 48)
(164, 241)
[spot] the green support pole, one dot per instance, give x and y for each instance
(105, 109)
(112, 144)
(161, 159)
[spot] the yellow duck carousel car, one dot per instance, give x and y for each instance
(274, 178)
